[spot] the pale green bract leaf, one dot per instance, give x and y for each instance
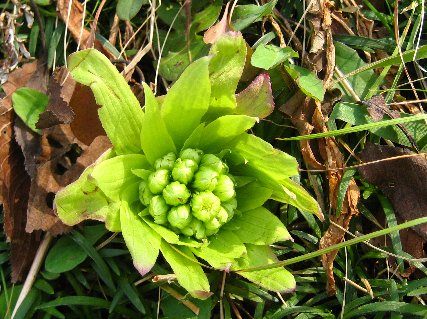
(84, 200)
(275, 279)
(155, 138)
(187, 101)
(259, 154)
(142, 242)
(226, 68)
(284, 189)
(223, 249)
(170, 236)
(217, 134)
(28, 104)
(251, 196)
(120, 114)
(115, 178)
(188, 272)
(258, 227)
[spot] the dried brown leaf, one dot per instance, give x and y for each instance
(403, 181)
(86, 124)
(60, 90)
(74, 18)
(15, 181)
(217, 30)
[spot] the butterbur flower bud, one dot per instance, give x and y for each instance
(165, 162)
(212, 224)
(230, 207)
(176, 194)
(224, 189)
(222, 216)
(195, 229)
(180, 216)
(193, 154)
(158, 209)
(145, 194)
(205, 206)
(158, 180)
(213, 162)
(183, 170)
(205, 179)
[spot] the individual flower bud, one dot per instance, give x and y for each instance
(145, 194)
(230, 207)
(205, 206)
(205, 179)
(224, 189)
(195, 229)
(183, 170)
(165, 162)
(158, 209)
(212, 224)
(212, 161)
(180, 216)
(176, 194)
(210, 232)
(222, 216)
(158, 180)
(193, 154)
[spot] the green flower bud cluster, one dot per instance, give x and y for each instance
(192, 195)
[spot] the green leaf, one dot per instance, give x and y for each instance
(258, 227)
(359, 128)
(170, 236)
(251, 196)
(28, 104)
(102, 268)
(155, 138)
(188, 272)
(348, 60)
(223, 249)
(142, 242)
(257, 99)
(64, 255)
(307, 81)
(260, 155)
(186, 103)
(217, 134)
(226, 68)
(120, 114)
(245, 15)
(294, 194)
(115, 178)
(387, 307)
(175, 62)
(127, 9)
(268, 56)
(277, 279)
(84, 200)
(356, 114)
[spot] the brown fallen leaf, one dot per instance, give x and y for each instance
(74, 18)
(15, 182)
(86, 124)
(403, 181)
(60, 90)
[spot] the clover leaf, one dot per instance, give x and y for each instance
(184, 177)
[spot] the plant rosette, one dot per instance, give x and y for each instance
(184, 178)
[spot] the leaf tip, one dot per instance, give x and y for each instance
(201, 294)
